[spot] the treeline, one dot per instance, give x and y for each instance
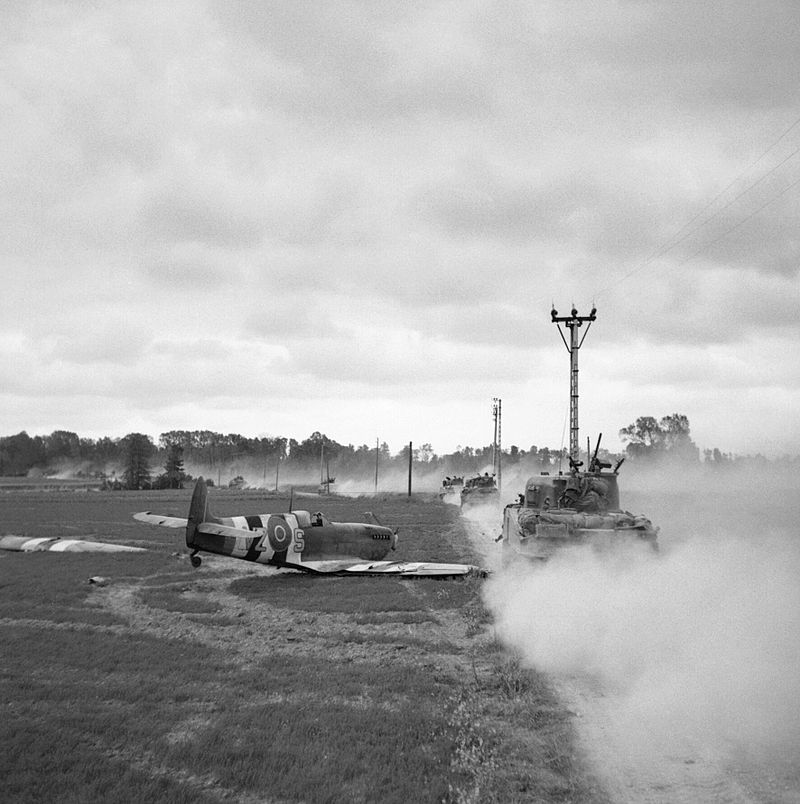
(136, 461)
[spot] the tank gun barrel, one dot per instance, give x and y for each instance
(593, 463)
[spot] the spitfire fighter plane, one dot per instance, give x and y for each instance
(296, 540)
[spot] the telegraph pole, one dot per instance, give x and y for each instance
(573, 322)
(410, 464)
(497, 449)
(377, 454)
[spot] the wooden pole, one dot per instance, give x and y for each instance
(410, 458)
(377, 453)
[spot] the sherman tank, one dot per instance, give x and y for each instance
(480, 490)
(581, 506)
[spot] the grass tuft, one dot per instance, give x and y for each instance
(177, 599)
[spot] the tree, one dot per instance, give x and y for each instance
(716, 459)
(138, 449)
(648, 437)
(644, 435)
(403, 454)
(182, 438)
(106, 450)
(20, 453)
(677, 438)
(174, 474)
(311, 449)
(426, 453)
(62, 445)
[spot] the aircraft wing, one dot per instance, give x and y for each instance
(160, 519)
(406, 569)
(25, 544)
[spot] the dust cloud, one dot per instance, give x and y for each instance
(699, 642)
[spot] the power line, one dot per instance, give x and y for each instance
(743, 173)
(672, 243)
(742, 221)
(750, 187)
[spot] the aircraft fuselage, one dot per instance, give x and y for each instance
(290, 539)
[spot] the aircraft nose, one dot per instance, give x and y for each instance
(394, 540)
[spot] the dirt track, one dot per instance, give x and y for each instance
(640, 766)
(640, 748)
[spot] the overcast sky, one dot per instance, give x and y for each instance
(271, 218)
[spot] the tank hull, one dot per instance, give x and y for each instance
(480, 490)
(471, 498)
(539, 533)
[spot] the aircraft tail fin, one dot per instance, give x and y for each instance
(198, 511)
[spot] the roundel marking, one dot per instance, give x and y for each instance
(279, 532)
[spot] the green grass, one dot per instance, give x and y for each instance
(399, 640)
(174, 598)
(208, 685)
(347, 755)
(328, 748)
(78, 701)
(56, 585)
(389, 617)
(358, 595)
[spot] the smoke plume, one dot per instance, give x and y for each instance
(701, 639)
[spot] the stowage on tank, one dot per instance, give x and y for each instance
(577, 508)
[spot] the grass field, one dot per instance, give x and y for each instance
(242, 683)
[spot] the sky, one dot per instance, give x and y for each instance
(355, 217)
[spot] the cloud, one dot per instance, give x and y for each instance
(346, 202)
(354, 62)
(199, 214)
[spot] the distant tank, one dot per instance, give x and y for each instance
(580, 507)
(450, 490)
(480, 490)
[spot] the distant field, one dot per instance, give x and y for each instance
(236, 682)
(49, 483)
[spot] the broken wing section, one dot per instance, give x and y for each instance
(159, 519)
(406, 569)
(25, 544)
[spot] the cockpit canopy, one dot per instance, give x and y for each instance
(308, 520)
